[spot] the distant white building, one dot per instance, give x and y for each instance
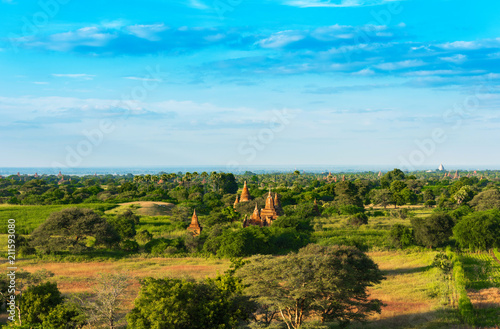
(441, 168)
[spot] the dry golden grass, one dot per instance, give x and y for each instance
(485, 298)
(79, 277)
(144, 208)
(411, 291)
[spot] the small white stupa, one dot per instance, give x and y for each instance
(441, 168)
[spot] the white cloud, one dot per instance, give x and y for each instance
(198, 4)
(433, 72)
(281, 39)
(40, 82)
(364, 72)
(143, 79)
(458, 58)
(81, 76)
(471, 45)
(88, 36)
(400, 65)
(148, 32)
(335, 3)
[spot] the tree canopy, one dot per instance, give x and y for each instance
(479, 230)
(330, 282)
(69, 228)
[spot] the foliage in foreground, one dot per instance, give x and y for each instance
(330, 282)
(179, 303)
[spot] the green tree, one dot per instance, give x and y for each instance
(38, 301)
(64, 316)
(330, 282)
(124, 224)
(486, 200)
(464, 194)
(69, 228)
(400, 236)
(479, 230)
(346, 194)
(434, 230)
(381, 197)
(182, 304)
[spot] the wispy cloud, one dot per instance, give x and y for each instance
(116, 40)
(400, 65)
(335, 3)
(80, 76)
(143, 79)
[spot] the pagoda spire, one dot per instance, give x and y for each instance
(245, 194)
(194, 227)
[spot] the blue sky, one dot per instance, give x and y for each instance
(238, 83)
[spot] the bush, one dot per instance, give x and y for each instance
(401, 213)
(26, 251)
(144, 236)
(443, 262)
(400, 236)
(161, 246)
(433, 231)
(358, 219)
(350, 209)
(64, 316)
(38, 300)
(255, 240)
(129, 245)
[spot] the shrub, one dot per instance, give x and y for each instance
(434, 230)
(443, 262)
(144, 236)
(159, 246)
(350, 209)
(479, 231)
(358, 219)
(401, 213)
(401, 236)
(129, 245)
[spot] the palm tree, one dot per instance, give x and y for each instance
(147, 179)
(155, 179)
(138, 179)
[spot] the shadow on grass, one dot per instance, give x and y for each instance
(438, 319)
(406, 270)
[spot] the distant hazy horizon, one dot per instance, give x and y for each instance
(114, 170)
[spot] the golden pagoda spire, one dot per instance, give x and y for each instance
(194, 227)
(245, 194)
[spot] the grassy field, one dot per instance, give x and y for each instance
(336, 230)
(416, 295)
(79, 277)
(482, 273)
(30, 217)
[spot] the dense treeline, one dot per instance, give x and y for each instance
(302, 196)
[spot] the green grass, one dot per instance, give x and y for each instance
(29, 218)
(161, 226)
(481, 270)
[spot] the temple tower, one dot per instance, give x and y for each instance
(245, 195)
(194, 227)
